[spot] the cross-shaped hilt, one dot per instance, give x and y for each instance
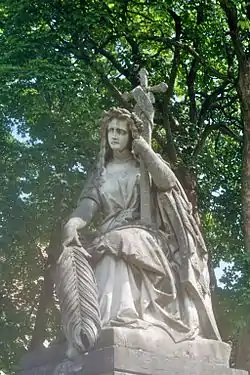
(144, 99)
(143, 78)
(144, 108)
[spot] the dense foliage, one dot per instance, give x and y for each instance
(62, 62)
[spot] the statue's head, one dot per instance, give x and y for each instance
(119, 135)
(118, 129)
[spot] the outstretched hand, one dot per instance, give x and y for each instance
(71, 237)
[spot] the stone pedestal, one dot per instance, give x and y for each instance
(125, 361)
(154, 340)
(124, 351)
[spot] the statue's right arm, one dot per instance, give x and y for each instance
(80, 218)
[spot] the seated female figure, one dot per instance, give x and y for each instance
(146, 276)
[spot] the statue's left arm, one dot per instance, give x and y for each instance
(163, 177)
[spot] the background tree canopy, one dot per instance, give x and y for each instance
(62, 63)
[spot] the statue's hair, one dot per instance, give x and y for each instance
(135, 126)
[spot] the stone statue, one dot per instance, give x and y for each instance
(132, 279)
(143, 276)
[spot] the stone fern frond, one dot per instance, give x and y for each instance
(78, 296)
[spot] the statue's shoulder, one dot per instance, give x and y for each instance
(90, 183)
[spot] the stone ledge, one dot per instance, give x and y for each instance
(123, 361)
(123, 351)
(155, 340)
(114, 360)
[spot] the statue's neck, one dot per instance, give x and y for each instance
(122, 156)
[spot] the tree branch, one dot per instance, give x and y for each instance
(248, 9)
(232, 19)
(191, 91)
(209, 100)
(200, 144)
(193, 70)
(208, 130)
(110, 57)
(167, 96)
(158, 138)
(225, 130)
(171, 42)
(117, 95)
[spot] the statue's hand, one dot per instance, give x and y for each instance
(70, 237)
(139, 145)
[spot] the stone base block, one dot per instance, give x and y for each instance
(126, 361)
(115, 360)
(126, 351)
(155, 340)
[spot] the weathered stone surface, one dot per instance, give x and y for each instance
(41, 370)
(121, 360)
(155, 340)
(118, 360)
(143, 278)
(146, 273)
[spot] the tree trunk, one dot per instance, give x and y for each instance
(241, 358)
(46, 295)
(244, 92)
(188, 180)
(242, 352)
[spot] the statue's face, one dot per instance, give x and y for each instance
(118, 135)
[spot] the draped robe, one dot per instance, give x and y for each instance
(149, 275)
